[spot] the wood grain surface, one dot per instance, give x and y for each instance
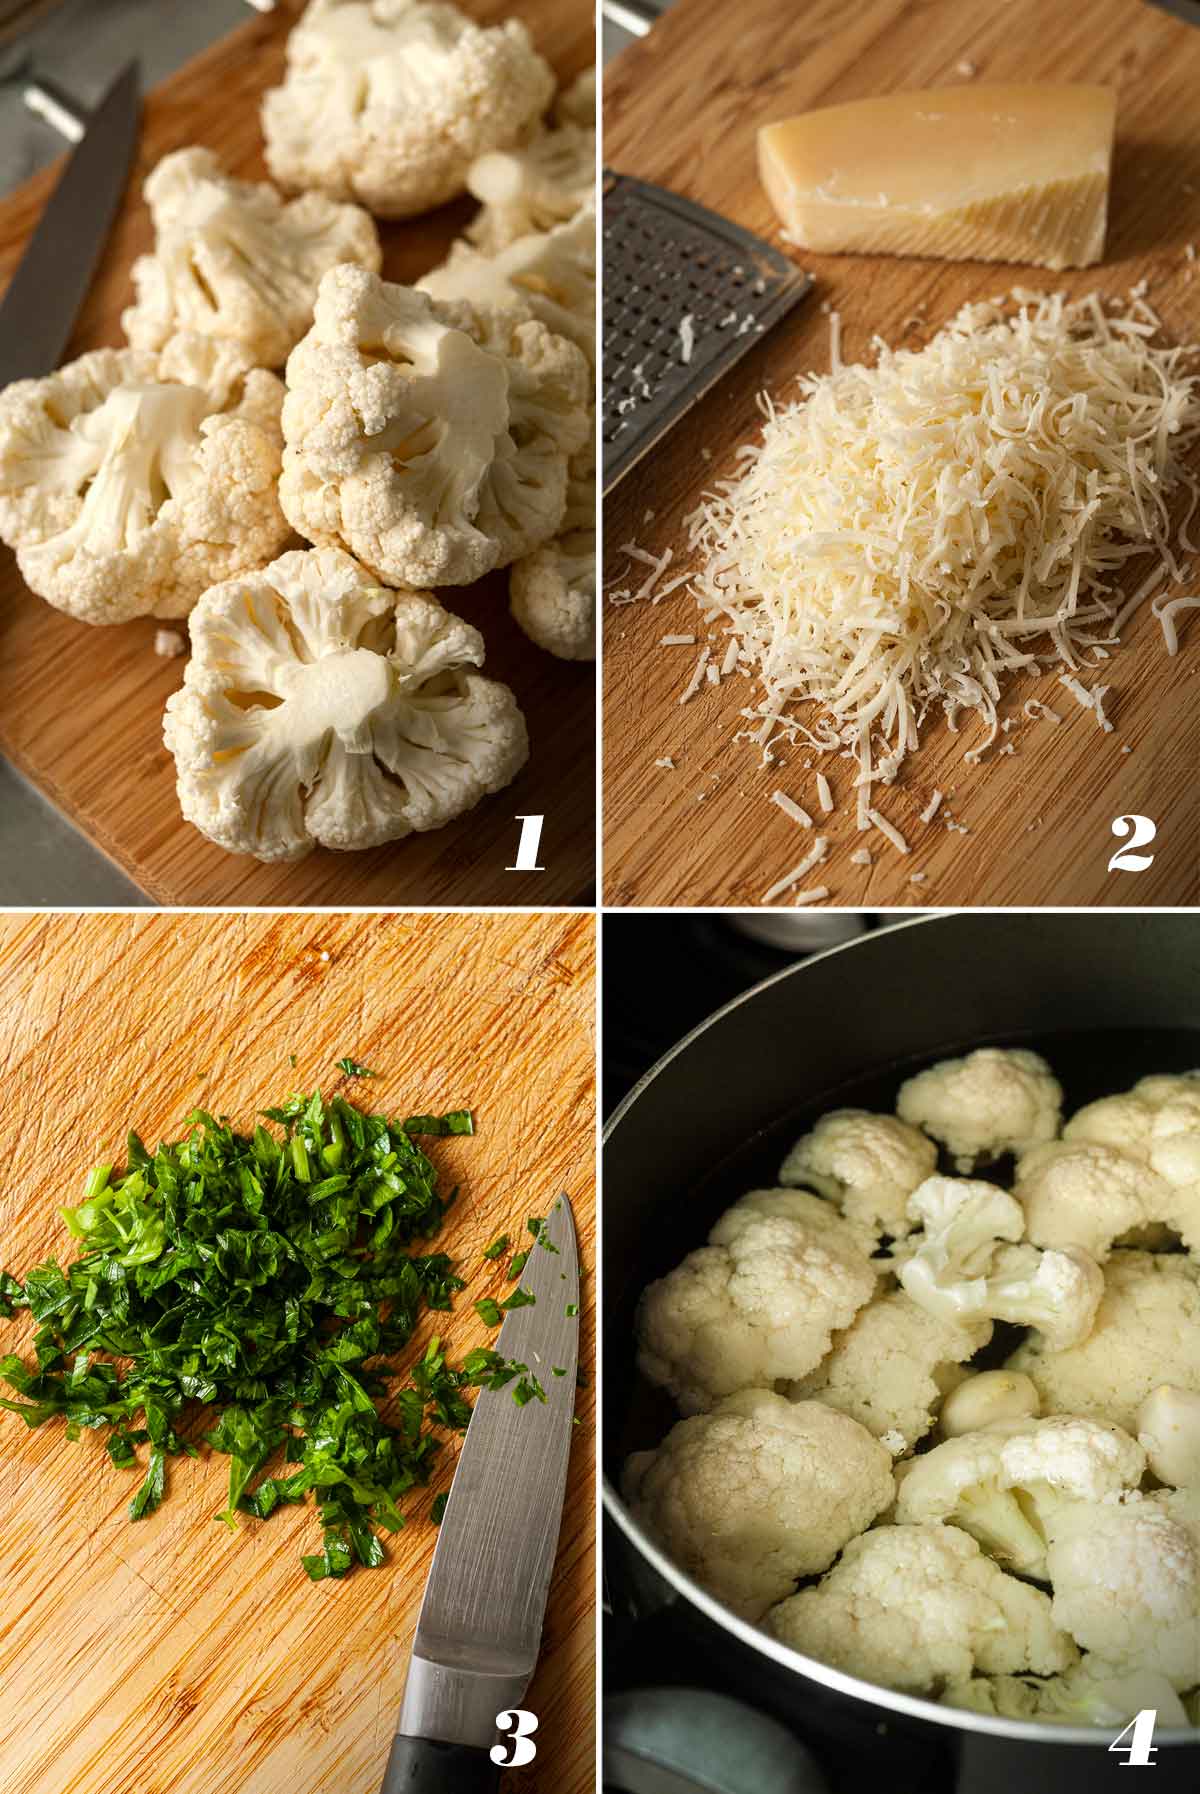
(81, 707)
(175, 1656)
(681, 108)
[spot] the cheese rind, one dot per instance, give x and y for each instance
(1006, 174)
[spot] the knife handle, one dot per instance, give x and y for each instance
(427, 1766)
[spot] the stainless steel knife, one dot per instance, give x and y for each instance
(480, 1627)
(39, 309)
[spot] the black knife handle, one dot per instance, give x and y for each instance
(427, 1766)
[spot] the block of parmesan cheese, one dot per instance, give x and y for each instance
(971, 173)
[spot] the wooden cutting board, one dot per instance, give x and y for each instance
(175, 1656)
(681, 108)
(81, 707)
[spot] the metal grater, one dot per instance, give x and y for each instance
(667, 259)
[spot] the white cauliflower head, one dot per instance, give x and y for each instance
(1145, 1333)
(1004, 1485)
(429, 440)
(1079, 1193)
(232, 261)
(868, 1164)
(1126, 1579)
(758, 1493)
(892, 1366)
(994, 1101)
(550, 276)
(552, 592)
(390, 101)
(915, 1607)
(533, 188)
(1093, 1693)
(130, 481)
(576, 104)
(319, 708)
(759, 1304)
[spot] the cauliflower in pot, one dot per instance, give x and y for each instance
(757, 1493)
(231, 260)
(759, 1304)
(320, 708)
(1147, 1331)
(431, 441)
(868, 1164)
(994, 1101)
(1079, 1193)
(130, 481)
(390, 101)
(917, 1606)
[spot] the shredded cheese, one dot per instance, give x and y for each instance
(816, 894)
(666, 763)
(861, 857)
(697, 678)
(824, 794)
(813, 857)
(1166, 616)
(791, 808)
(909, 536)
(1092, 700)
(931, 808)
(1035, 710)
(888, 830)
(677, 641)
(687, 337)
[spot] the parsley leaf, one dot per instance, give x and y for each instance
(498, 1247)
(353, 1069)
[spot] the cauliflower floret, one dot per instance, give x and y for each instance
(990, 1398)
(868, 1164)
(1126, 1575)
(576, 105)
(994, 1101)
(892, 1366)
(533, 188)
(759, 1304)
(944, 1267)
(552, 592)
(319, 708)
(231, 260)
(757, 1493)
(390, 101)
(1056, 1292)
(917, 1606)
(1002, 1486)
(550, 276)
(1145, 1333)
(1168, 1430)
(430, 440)
(130, 481)
(1093, 1693)
(1084, 1194)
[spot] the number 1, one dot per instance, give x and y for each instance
(527, 846)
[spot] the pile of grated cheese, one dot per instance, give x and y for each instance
(908, 535)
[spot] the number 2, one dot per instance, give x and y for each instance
(1139, 1732)
(1127, 859)
(521, 1724)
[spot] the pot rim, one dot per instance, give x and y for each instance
(752, 1637)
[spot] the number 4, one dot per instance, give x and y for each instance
(1139, 1731)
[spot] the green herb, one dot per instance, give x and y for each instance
(527, 1389)
(519, 1261)
(353, 1069)
(489, 1312)
(558, 1370)
(537, 1228)
(291, 1058)
(498, 1247)
(268, 1277)
(572, 1310)
(520, 1298)
(438, 1507)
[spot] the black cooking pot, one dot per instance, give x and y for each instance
(1108, 998)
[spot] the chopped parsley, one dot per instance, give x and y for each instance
(489, 1312)
(519, 1261)
(537, 1228)
(353, 1069)
(572, 1310)
(498, 1247)
(438, 1507)
(268, 1278)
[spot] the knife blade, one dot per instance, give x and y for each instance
(480, 1627)
(38, 312)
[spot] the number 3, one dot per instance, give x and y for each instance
(520, 1724)
(1126, 859)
